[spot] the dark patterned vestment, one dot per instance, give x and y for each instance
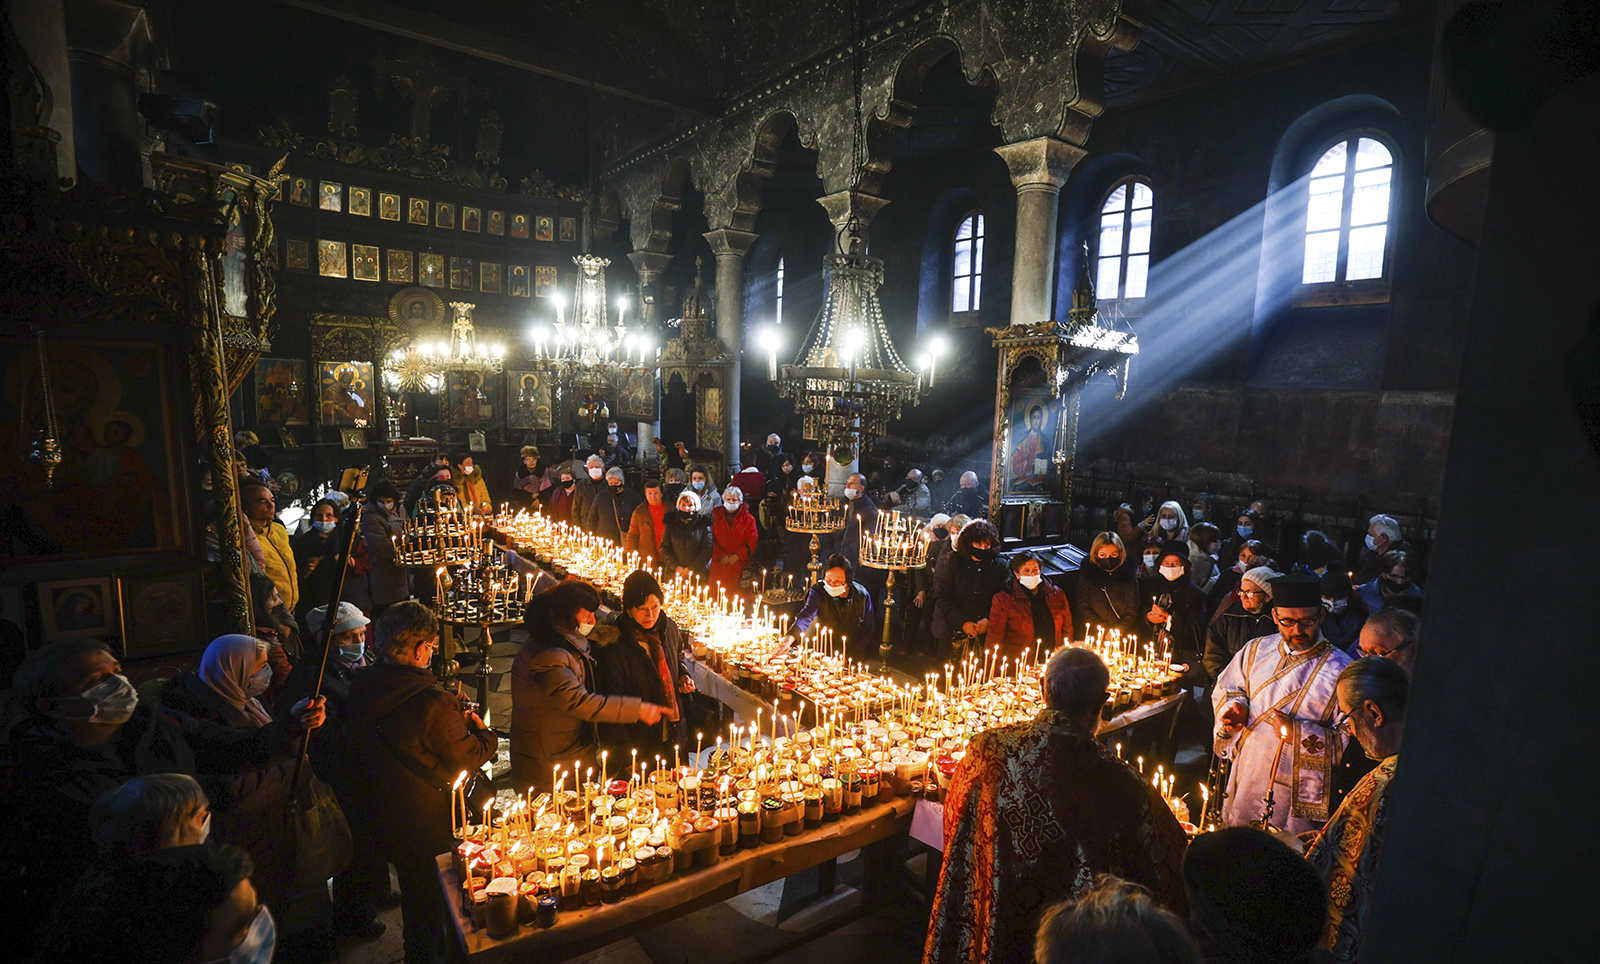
(1036, 810)
(1346, 855)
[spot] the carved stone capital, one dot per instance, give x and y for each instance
(726, 242)
(841, 204)
(649, 264)
(1042, 163)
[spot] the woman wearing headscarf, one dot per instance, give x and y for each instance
(686, 545)
(733, 539)
(233, 673)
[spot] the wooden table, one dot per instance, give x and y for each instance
(585, 929)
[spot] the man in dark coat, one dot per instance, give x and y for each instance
(861, 515)
(411, 739)
(611, 511)
(643, 657)
(83, 734)
(969, 500)
(966, 582)
(1107, 592)
(1036, 811)
(1250, 616)
(1169, 603)
(842, 606)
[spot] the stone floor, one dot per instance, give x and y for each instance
(741, 929)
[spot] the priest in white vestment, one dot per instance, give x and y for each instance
(1274, 706)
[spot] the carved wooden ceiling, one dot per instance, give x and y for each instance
(1187, 42)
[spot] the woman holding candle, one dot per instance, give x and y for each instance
(686, 544)
(644, 659)
(733, 538)
(556, 704)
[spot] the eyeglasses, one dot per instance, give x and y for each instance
(1310, 623)
(1342, 723)
(1252, 592)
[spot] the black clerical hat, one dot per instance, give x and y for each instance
(1297, 590)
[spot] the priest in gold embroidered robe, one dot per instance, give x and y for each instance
(1035, 811)
(1274, 706)
(1372, 701)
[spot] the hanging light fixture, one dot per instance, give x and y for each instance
(588, 346)
(847, 381)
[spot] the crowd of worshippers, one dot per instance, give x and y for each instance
(157, 823)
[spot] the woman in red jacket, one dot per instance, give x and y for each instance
(733, 539)
(1029, 618)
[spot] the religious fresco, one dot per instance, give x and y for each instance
(636, 395)
(544, 280)
(297, 254)
(300, 192)
(364, 262)
(519, 226)
(517, 281)
(431, 273)
(444, 215)
(544, 228)
(399, 267)
(388, 206)
(418, 212)
(471, 219)
(471, 399)
(346, 393)
(461, 274)
(569, 229)
(489, 277)
(77, 607)
(1030, 468)
(235, 266)
(280, 392)
(330, 196)
(529, 406)
(160, 612)
(497, 223)
(361, 201)
(116, 488)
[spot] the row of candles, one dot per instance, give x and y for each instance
(439, 533)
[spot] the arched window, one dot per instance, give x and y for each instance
(1123, 267)
(967, 277)
(777, 297)
(1347, 215)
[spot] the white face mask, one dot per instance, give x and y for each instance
(259, 682)
(1372, 543)
(1335, 605)
(806, 469)
(468, 469)
(1169, 524)
(732, 506)
(852, 493)
(205, 828)
(595, 473)
(1172, 572)
(1031, 582)
(585, 629)
(114, 699)
(835, 591)
(1150, 560)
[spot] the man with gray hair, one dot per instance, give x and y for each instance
(1035, 812)
(1394, 633)
(913, 498)
(1383, 535)
(586, 488)
(1372, 710)
(611, 512)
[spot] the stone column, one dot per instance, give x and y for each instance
(730, 247)
(1038, 169)
(649, 264)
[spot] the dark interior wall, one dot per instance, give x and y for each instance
(1234, 384)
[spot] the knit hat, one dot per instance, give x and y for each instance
(1173, 547)
(346, 617)
(1336, 584)
(1297, 590)
(1253, 898)
(638, 587)
(1262, 576)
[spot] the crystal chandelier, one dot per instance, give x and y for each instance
(588, 344)
(422, 368)
(848, 382)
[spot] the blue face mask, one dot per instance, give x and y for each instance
(324, 526)
(258, 944)
(1246, 531)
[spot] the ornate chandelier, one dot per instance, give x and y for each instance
(422, 368)
(589, 346)
(848, 381)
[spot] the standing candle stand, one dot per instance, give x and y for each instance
(485, 595)
(896, 544)
(819, 515)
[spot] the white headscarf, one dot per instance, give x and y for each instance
(226, 668)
